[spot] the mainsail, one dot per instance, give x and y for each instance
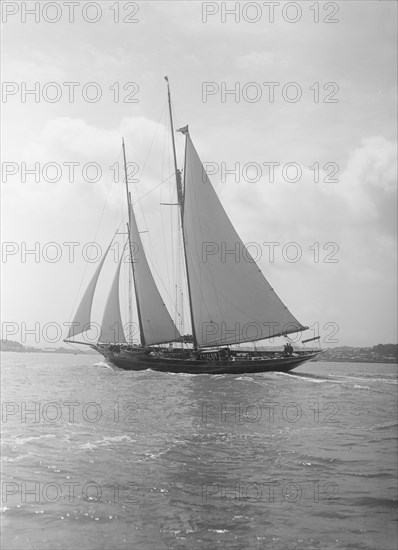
(81, 321)
(231, 300)
(157, 326)
(112, 326)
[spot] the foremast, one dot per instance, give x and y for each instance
(155, 323)
(130, 213)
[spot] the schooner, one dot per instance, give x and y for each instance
(230, 301)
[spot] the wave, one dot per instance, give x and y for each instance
(369, 378)
(387, 426)
(378, 502)
(106, 441)
(20, 440)
(310, 377)
(345, 382)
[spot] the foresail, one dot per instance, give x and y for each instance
(157, 324)
(231, 300)
(81, 321)
(112, 326)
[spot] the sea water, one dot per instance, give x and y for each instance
(99, 458)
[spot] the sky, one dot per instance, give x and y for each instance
(307, 88)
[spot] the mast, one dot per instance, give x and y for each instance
(180, 196)
(176, 170)
(131, 332)
(130, 247)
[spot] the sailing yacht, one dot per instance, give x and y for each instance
(230, 300)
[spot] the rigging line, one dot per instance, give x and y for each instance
(172, 232)
(171, 267)
(162, 216)
(144, 165)
(150, 247)
(177, 254)
(126, 273)
(157, 273)
(150, 244)
(149, 259)
(94, 240)
(153, 189)
(175, 117)
(153, 139)
(153, 171)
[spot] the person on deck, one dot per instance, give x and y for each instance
(288, 349)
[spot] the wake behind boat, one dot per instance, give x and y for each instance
(230, 300)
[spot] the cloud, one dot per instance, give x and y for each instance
(260, 60)
(369, 180)
(350, 226)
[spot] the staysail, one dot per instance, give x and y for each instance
(157, 326)
(231, 300)
(112, 326)
(81, 321)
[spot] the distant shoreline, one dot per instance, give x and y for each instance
(378, 361)
(63, 352)
(381, 353)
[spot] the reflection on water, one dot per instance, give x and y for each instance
(101, 458)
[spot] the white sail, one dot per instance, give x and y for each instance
(231, 300)
(112, 326)
(156, 323)
(81, 321)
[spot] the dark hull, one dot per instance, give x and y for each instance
(139, 360)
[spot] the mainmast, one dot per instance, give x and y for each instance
(129, 208)
(180, 196)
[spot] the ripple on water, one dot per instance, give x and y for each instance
(177, 478)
